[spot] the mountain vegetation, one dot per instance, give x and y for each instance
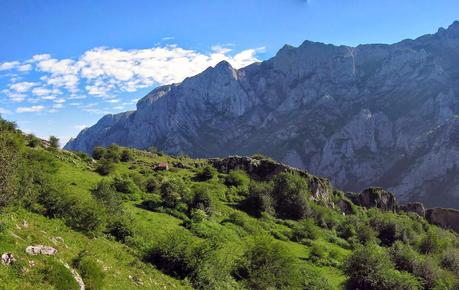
(125, 218)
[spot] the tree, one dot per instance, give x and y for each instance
(206, 173)
(105, 167)
(98, 152)
(9, 161)
(267, 264)
(290, 196)
(126, 155)
(53, 142)
(370, 267)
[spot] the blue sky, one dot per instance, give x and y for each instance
(64, 64)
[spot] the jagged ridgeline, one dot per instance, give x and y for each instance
(373, 114)
(125, 219)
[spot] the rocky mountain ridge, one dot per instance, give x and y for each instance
(384, 115)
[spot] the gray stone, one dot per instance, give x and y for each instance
(40, 249)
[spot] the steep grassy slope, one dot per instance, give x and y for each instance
(191, 226)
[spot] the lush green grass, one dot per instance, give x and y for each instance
(200, 237)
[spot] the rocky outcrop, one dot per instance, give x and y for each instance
(385, 115)
(40, 249)
(446, 218)
(375, 197)
(264, 169)
(415, 207)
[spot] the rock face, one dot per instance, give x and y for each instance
(415, 207)
(265, 169)
(384, 115)
(375, 197)
(444, 217)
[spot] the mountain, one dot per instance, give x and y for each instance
(377, 114)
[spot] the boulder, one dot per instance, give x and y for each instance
(375, 197)
(8, 259)
(446, 218)
(40, 249)
(415, 207)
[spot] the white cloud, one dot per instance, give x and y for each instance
(25, 67)
(107, 72)
(9, 65)
(22, 87)
(30, 109)
(41, 91)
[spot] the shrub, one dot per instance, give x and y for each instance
(151, 185)
(125, 185)
(91, 272)
(201, 199)
(206, 173)
(174, 254)
(53, 142)
(33, 141)
(9, 160)
(259, 199)
(289, 196)
(105, 167)
(450, 260)
(59, 276)
(98, 152)
(431, 243)
(304, 230)
(198, 215)
(267, 264)
(126, 156)
(369, 267)
(105, 193)
(113, 153)
(120, 227)
(237, 178)
(80, 214)
(173, 192)
(317, 253)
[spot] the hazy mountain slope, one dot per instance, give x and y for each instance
(367, 115)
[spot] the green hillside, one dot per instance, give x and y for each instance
(132, 219)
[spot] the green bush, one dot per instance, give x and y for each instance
(99, 152)
(174, 192)
(305, 230)
(80, 214)
(289, 194)
(91, 272)
(369, 267)
(33, 141)
(125, 185)
(105, 193)
(120, 227)
(126, 155)
(151, 185)
(53, 142)
(267, 264)
(237, 178)
(206, 173)
(56, 274)
(105, 167)
(9, 159)
(201, 199)
(175, 254)
(450, 260)
(259, 199)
